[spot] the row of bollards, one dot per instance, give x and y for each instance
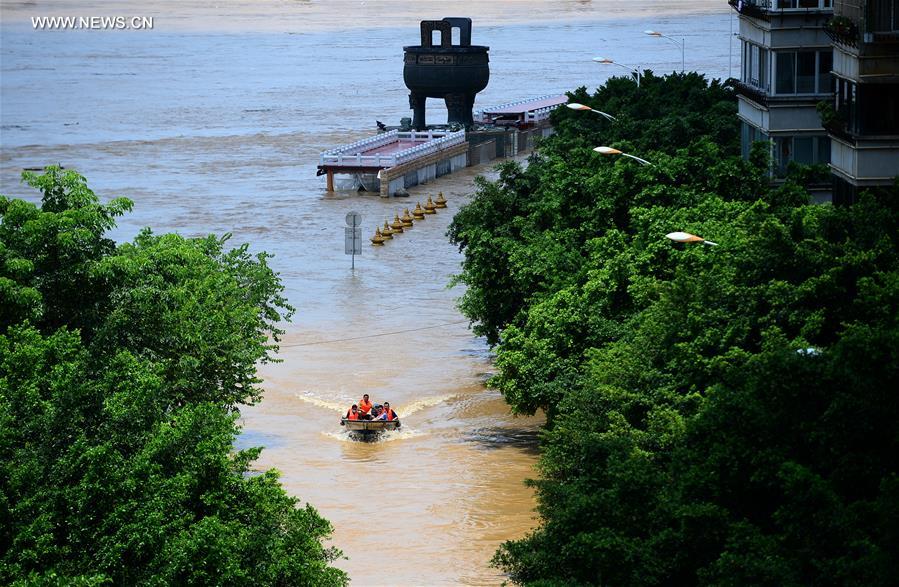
(399, 225)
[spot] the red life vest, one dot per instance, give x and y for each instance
(351, 415)
(391, 415)
(365, 406)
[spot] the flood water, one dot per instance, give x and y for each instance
(213, 122)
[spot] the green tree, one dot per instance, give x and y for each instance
(716, 415)
(121, 369)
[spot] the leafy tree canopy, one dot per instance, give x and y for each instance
(717, 415)
(121, 370)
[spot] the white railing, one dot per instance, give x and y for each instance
(450, 139)
(481, 115)
(540, 113)
(351, 155)
(786, 5)
(384, 138)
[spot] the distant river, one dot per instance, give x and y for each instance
(213, 122)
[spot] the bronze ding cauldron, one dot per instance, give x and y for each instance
(455, 73)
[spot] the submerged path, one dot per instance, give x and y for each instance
(436, 498)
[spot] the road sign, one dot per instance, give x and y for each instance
(354, 219)
(352, 236)
(352, 243)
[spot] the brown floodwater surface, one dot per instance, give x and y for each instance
(432, 501)
(213, 121)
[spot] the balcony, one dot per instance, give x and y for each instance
(753, 8)
(869, 22)
(754, 93)
(842, 30)
(764, 9)
(881, 22)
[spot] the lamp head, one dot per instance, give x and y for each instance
(653, 33)
(607, 151)
(602, 60)
(684, 237)
(576, 106)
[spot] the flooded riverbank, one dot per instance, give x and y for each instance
(212, 122)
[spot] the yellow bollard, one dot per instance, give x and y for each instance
(377, 240)
(430, 206)
(386, 232)
(440, 202)
(397, 225)
(418, 213)
(407, 219)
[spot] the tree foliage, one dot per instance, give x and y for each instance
(716, 415)
(121, 368)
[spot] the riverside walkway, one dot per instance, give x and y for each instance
(392, 161)
(396, 156)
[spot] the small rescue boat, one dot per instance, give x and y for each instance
(369, 426)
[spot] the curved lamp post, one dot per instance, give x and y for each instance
(635, 70)
(680, 44)
(576, 106)
(611, 151)
(686, 237)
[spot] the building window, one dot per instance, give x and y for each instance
(804, 150)
(755, 65)
(883, 17)
(786, 72)
(807, 150)
(877, 109)
(825, 64)
(782, 4)
(845, 99)
(748, 135)
(868, 109)
(803, 72)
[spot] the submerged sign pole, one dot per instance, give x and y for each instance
(352, 242)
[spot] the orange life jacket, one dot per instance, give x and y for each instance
(365, 406)
(391, 415)
(351, 415)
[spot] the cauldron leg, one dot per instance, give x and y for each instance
(455, 108)
(417, 104)
(469, 106)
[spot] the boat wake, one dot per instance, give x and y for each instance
(310, 398)
(388, 436)
(403, 410)
(424, 403)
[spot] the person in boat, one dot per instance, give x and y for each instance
(353, 413)
(387, 413)
(365, 407)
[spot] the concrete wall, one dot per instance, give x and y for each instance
(483, 152)
(397, 179)
(878, 64)
(788, 32)
(794, 118)
(753, 113)
(867, 163)
(484, 148)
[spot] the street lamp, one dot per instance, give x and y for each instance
(680, 44)
(635, 70)
(686, 237)
(576, 106)
(611, 151)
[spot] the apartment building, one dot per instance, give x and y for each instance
(787, 60)
(864, 127)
